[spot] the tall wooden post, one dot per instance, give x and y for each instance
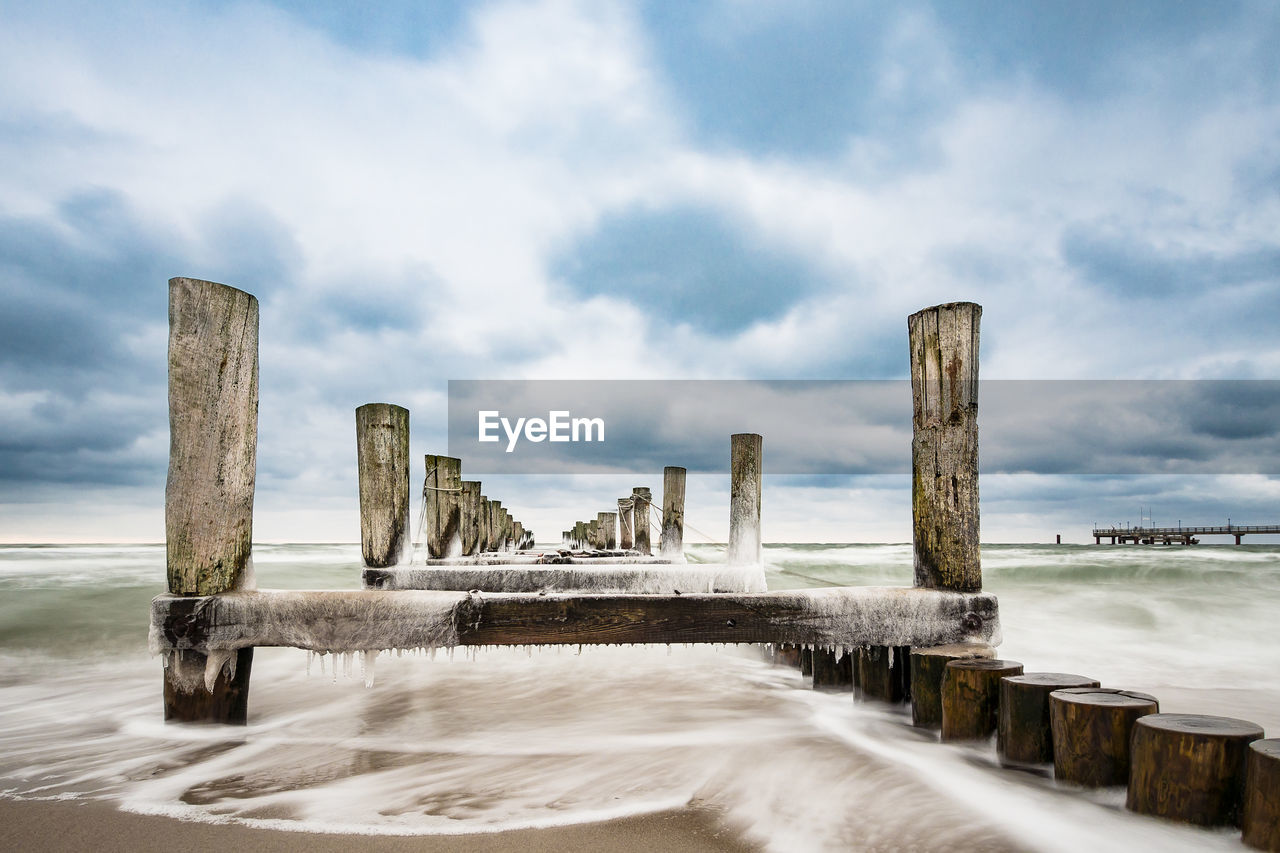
(469, 516)
(672, 543)
(505, 539)
(382, 453)
(482, 525)
(745, 480)
(626, 540)
(213, 445)
(442, 505)
(517, 535)
(608, 526)
(495, 526)
(944, 446)
(641, 497)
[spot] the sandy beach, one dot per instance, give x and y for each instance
(55, 826)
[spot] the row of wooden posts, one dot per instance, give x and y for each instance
(1194, 768)
(457, 520)
(1184, 766)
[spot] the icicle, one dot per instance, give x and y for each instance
(213, 664)
(368, 658)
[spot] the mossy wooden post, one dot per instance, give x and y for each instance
(608, 522)
(213, 445)
(482, 526)
(626, 540)
(1091, 729)
(944, 446)
(745, 473)
(1261, 819)
(442, 505)
(672, 542)
(927, 666)
(1023, 735)
(1190, 767)
(641, 497)
(494, 534)
(469, 516)
(971, 697)
(382, 453)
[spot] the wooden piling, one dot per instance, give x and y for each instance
(884, 673)
(745, 480)
(641, 497)
(832, 670)
(504, 538)
(1190, 767)
(494, 533)
(944, 446)
(1261, 813)
(442, 505)
(928, 665)
(517, 535)
(626, 539)
(1023, 735)
(1091, 728)
(213, 440)
(806, 662)
(608, 524)
(469, 506)
(971, 697)
(483, 517)
(382, 448)
(672, 541)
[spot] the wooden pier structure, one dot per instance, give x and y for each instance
(481, 582)
(1178, 535)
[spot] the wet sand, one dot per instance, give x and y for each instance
(57, 826)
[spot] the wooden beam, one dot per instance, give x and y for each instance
(598, 575)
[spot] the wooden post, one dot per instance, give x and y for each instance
(745, 473)
(971, 697)
(608, 522)
(494, 534)
(806, 662)
(213, 445)
(944, 446)
(1190, 767)
(442, 513)
(672, 542)
(504, 535)
(832, 670)
(469, 516)
(884, 673)
(927, 668)
(641, 497)
(626, 539)
(1024, 735)
(482, 525)
(1261, 823)
(382, 445)
(517, 535)
(1091, 728)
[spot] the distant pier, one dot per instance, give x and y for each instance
(1176, 535)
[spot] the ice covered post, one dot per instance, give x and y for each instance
(944, 446)
(382, 453)
(745, 480)
(625, 540)
(442, 505)
(607, 524)
(213, 446)
(641, 497)
(469, 516)
(672, 543)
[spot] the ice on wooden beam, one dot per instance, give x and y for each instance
(647, 579)
(362, 620)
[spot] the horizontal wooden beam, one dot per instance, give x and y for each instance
(536, 558)
(592, 578)
(365, 620)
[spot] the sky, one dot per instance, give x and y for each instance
(425, 191)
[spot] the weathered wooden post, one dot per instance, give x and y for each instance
(1091, 732)
(971, 697)
(608, 524)
(1190, 767)
(832, 670)
(672, 542)
(382, 446)
(469, 516)
(213, 445)
(442, 509)
(884, 673)
(1261, 814)
(928, 665)
(944, 446)
(517, 535)
(594, 534)
(504, 528)
(641, 497)
(745, 480)
(1024, 735)
(626, 540)
(483, 518)
(492, 524)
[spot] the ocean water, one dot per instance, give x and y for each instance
(505, 738)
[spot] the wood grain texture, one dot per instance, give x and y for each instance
(745, 480)
(672, 540)
(1261, 813)
(1023, 735)
(1091, 728)
(971, 697)
(928, 665)
(469, 509)
(442, 503)
(382, 456)
(213, 435)
(626, 538)
(944, 446)
(641, 497)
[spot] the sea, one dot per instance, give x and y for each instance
(489, 740)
